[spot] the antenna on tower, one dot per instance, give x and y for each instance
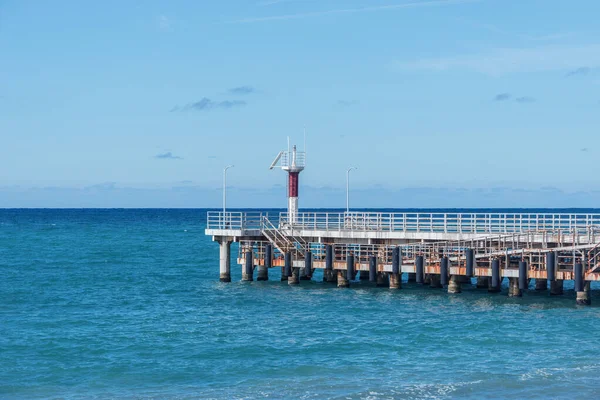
(305, 142)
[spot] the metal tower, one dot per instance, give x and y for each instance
(293, 162)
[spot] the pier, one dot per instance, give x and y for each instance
(440, 250)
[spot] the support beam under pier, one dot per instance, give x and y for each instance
(225, 260)
(248, 268)
(454, 285)
(395, 281)
(382, 279)
(294, 278)
(513, 288)
(584, 297)
(434, 281)
(263, 270)
(483, 282)
(556, 287)
(342, 282)
(541, 284)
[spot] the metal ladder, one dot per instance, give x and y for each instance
(282, 242)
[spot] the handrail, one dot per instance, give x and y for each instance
(473, 223)
(280, 240)
(482, 223)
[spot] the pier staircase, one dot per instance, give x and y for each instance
(283, 241)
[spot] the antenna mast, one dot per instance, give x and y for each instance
(293, 162)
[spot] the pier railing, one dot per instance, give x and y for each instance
(244, 221)
(482, 223)
(441, 222)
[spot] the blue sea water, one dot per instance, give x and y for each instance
(127, 304)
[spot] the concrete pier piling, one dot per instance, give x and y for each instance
(287, 266)
(483, 282)
(444, 267)
(306, 273)
(294, 278)
(329, 257)
(420, 275)
(373, 269)
(427, 279)
(551, 266)
(434, 281)
(583, 295)
(342, 282)
(470, 262)
(329, 276)
(396, 275)
(302, 275)
(382, 279)
(262, 273)
(396, 260)
(263, 270)
(350, 267)
(513, 288)
(523, 280)
(248, 270)
(495, 281)
(541, 285)
(454, 285)
(225, 260)
(556, 287)
(395, 281)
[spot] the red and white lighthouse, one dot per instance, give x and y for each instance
(293, 162)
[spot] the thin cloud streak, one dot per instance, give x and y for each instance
(206, 104)
(502, 97)
(502, 61)
(579, 71)
(431, 3)
(242, 90)
(525, 99)
(167, 156)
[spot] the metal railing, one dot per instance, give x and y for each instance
(480, 223)
(432, 252)
(287, 159)
(245, 221)
(441, 222)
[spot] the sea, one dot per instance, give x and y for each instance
(127, 304)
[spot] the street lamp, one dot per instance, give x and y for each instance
(225, 189)
(348, 188)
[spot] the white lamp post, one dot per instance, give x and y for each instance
(348, 188)
(225, 189)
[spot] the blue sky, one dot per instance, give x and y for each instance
(130, 104)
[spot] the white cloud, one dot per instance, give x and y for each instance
(503, 61)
